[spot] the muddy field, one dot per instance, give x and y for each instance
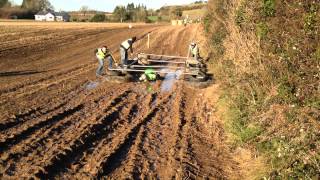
(58, 121)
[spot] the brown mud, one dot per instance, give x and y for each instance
(53, 126)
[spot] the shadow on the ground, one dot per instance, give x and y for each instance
(19, 73)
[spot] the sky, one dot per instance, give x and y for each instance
(108, 5)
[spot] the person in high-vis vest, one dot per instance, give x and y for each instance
(148, 75)
(102, 54)
(194, 51)
(124, 48)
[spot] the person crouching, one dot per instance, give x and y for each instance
(148, 75)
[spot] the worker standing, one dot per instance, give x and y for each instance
(194, 51)
(148, 75)
(185, 22)
(102, 54)
(124, 48)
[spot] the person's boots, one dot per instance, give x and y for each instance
(98, 75)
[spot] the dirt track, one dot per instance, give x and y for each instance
(53, 126)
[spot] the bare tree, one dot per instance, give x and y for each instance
(36, 5)
(45, 5)
(3, 3)
(84, 10)
(119, 13)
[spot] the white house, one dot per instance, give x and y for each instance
(52, 16)
(44, 16)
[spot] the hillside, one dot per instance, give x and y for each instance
(192, 11)
(265, 56)
(186, 6)
(195, 13)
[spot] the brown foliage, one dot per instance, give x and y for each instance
(270, 71)
(15, 12)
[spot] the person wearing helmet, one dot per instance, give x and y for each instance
(194, 51)
(124, 48)
(102, 54)
(148, 75)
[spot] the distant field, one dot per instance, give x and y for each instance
(153, 18)
(187, 6)
(194, 14)
(63, 25)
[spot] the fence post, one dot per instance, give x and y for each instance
(148, 41)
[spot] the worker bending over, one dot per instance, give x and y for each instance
(102, 54)
(194, 51)
(148, 75)
(124, 48)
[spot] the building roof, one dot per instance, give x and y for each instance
(43, 13)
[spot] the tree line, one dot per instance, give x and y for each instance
(5, 3)
(140, 13)
(33, 5)
(36, 5)
(26, 10)
(129, 13)
(132, 12)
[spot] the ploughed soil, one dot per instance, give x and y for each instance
(57, 120)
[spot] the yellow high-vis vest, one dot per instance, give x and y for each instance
(100, 54)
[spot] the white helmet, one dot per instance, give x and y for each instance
(193, 44)
(104, 49)
(143, 77)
